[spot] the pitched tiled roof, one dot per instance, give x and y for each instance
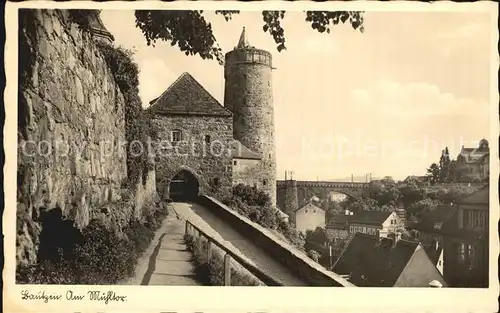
(370, 217)
(340, 221)
(376, 262)
(186, 96)
(309, 205)
(241, 152)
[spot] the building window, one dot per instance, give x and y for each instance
(269, 155)
(472, 260)
(461, 253)
(216, 182)
(474, 218)
(264, 182)
(207, 139)
(176, 135)
(234, 162)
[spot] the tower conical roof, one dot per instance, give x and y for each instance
(243, 42)
(97, 26)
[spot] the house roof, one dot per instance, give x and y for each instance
(441, 220)
(340, 221)
(377, 263)
(186, 96)
(308, 205)
(241, 152)
(476, 155)
(370, 217)
(417, 178)
(482, 196)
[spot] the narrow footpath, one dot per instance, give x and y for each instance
(166, 262)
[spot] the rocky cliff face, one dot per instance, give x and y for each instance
(71, 131)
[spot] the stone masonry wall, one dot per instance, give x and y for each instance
(71, 122)
(248, 94)
(247, 172)
(194, 155)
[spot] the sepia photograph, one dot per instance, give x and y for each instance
(252, 147)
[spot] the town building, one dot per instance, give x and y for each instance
(245, 165)
(309, 217)
(368, 261)
(338, 228)
(214, 147)
(375, 223)
(466, 252)
(473, 164)
(425, 180)
(432, 229)
(456, 238)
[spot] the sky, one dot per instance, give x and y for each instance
(385, 101)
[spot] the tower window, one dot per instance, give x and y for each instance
(264, 182)
(216, 181)
(235, 162)
(269, 155)
(207, 139)
(176, 135)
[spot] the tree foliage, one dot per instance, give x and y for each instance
(385, 191)
(193, 34)
(126, 75)
(448, 170)
(257, 206)
(317, 236)
(423, 206)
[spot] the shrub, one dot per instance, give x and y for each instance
(48, 272)
(256, 205)
(140, 235)
(103, 258)
(314, 255)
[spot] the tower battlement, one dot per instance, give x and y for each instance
(249, 55)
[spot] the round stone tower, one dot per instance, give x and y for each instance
(248, 94)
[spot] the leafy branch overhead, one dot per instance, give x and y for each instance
(193, 34)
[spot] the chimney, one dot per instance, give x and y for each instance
(285, 175)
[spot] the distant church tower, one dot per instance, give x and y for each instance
(248, 94)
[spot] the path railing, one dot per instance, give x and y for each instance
(196, 233)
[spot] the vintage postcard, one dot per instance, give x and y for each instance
(166, 151)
